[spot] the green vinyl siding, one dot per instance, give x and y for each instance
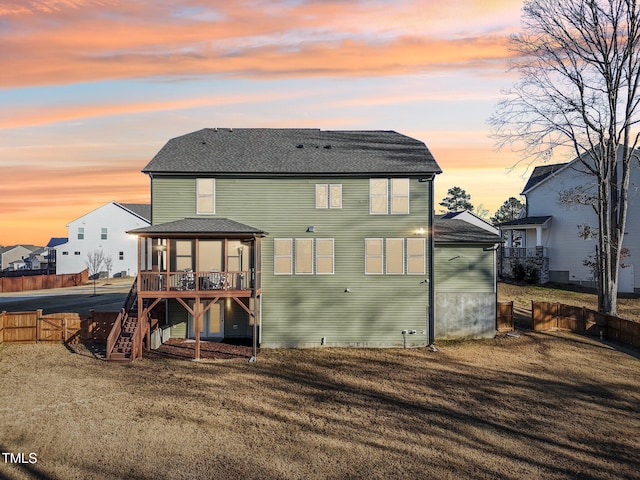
(299, 310)
(178, 317)
(462, 268)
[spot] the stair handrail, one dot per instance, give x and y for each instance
(131, 296)
(139, 332)
(115, 333)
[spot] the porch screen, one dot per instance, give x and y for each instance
(182, 255)
(210, 256)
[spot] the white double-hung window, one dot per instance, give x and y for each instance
(328, 195)
(388, 195)
(206, 196)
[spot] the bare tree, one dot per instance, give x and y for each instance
(108, 264)
(579, 68)
(94, 262)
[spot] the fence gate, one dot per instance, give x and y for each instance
(51, 330)
(505, 317)
(543, 315)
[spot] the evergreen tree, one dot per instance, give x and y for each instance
(457, 199)
(508, 211)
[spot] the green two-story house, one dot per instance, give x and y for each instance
(292, 237)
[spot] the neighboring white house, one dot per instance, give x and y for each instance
(104, 229)
(554, 221)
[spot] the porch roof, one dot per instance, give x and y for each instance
(527, 222)
(200, 226)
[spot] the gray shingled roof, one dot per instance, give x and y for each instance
(451, 230)
(200, 226)
(143, 210)
(265, 151)
(540, 173)
(526, 221)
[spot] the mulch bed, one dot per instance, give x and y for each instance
(227, 349)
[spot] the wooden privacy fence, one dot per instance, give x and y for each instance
(547, 316)
(504, 317)
(34, 327)
(42, 282)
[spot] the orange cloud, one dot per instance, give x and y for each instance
(67, 42)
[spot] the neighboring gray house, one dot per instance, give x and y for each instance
(552, 222)
(309, 238)
(15, 253)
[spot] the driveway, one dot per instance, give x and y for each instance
(109, 296)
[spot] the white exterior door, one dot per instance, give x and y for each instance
(212, 322)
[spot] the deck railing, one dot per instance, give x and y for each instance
(528, 252)
(196, 281)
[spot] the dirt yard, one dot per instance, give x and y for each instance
(541, 406)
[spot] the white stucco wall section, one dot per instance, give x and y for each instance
(71, 257)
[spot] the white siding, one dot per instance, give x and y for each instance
(117, 221)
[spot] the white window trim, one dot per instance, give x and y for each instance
(295, 258)
(333, 256)
(323, 198)
(325, 203)
(386, 254)
(423, 256)
(382, 264)
(332, 186)
(198, 196)
(394, 195)
(290, 256)
(386, 196)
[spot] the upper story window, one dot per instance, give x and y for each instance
(206, 196)
(80, 233)
(399, 195)
(388, 196)
(378, 198)
(103, 234)
(328, 195)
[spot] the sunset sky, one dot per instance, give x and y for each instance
(92, 89)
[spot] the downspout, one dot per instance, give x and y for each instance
(430, 317)
(255, 300)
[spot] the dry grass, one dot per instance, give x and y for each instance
(522, 295)
(541, 406)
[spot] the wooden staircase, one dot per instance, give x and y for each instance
(124, 343)
(125, 340)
